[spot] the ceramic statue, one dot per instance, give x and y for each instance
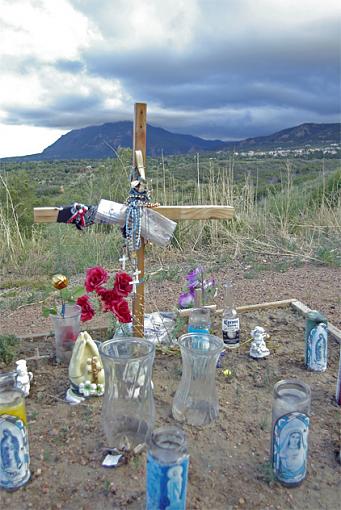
(23, 377)
(258, 348)
(86, 372)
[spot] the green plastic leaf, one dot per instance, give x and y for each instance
(65, 294)
(49, 311)
(78, 292)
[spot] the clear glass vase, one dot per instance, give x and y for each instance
(66, 331)
(196, 401)
(128, 411)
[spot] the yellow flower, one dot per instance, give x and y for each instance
(227, 372)
(59, 281)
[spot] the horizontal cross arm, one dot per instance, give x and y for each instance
(177, 212)
(196, 212)
(45, 214)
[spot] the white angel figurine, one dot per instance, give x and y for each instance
(23, 377)
(258, 348)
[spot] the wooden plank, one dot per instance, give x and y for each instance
(176, 212)
(196, 212)
(139, 144)
(258, 306)
(45, 214)
(304, 310)
(300, 307)
(186, 311)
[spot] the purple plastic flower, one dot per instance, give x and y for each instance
(194, 278)
(209, 284)
(186, 299)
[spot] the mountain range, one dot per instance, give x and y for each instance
(99, 142)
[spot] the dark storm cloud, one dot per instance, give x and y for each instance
(220, 68)
(299, 72)
(64, 111)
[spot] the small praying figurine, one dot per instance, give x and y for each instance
(23, 377)
(86, 371)
(258, 348)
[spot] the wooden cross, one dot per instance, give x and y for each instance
(176, 213)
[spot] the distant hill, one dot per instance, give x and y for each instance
(96, 142)
(298, 136)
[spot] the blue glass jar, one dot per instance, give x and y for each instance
(167, 470)
(199, 321)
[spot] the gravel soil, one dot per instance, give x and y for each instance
(229, 466)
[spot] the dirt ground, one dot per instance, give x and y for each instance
(228, 459)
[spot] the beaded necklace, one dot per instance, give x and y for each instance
(135, 202)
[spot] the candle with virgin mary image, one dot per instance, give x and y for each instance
(14, 453)
(290, 429)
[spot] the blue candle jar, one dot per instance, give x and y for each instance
(167, 470)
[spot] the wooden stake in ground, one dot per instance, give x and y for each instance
(139, 143)
(190, 212)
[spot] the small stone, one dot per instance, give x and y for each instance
(38, 472)
(241, 501)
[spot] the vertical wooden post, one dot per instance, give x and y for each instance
(139, 143)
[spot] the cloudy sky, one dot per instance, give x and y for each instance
(224, 69)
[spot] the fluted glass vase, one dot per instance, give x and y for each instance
(195, 400)
(128, 411)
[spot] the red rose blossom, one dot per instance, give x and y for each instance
(108, 297)
(121, 310)
(95, 277)
(122, 283)
(87, 310)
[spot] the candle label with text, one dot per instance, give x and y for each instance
(290, 447)
(14, 452)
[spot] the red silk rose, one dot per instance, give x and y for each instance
(87, 310)
(122, 284)
(108, 298)
(95, 277)
(121, 310)
(111, 300)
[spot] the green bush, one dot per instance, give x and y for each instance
(8, 348)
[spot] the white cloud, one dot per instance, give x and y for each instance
(45, 30)
(198, 63)
(23, 140)
(132, 24)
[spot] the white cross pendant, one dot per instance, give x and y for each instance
(136, 280)
(123, 261)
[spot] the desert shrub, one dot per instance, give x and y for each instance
(8, 348)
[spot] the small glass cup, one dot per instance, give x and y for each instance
(290, 429)
(66, 331)
(199, 320)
